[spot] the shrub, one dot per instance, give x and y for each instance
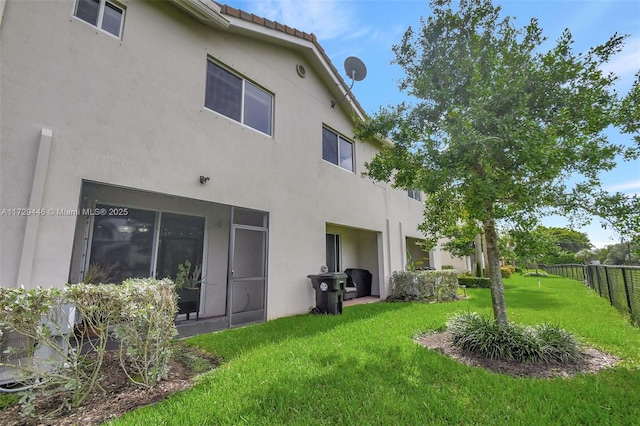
(447, 267)
(558, 344)
(474, 282)
(65, 363)
(540, 344)
(423, 285)
(505, 272)
(146, 328)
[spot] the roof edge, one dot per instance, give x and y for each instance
(310, 37)
(205, 11)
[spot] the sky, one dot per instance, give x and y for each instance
(368, 29)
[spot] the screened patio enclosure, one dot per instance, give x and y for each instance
(222, 250)
(354, 248)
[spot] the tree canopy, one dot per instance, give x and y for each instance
(547, 245)
(501, 131)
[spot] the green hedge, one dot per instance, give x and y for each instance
(64, 334)
(423, 285)
(474, 282)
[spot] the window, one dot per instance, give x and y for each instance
(333, 252)
(101, 13)
(415, 194)
(238, 99)
(337, 150)
(124, 243)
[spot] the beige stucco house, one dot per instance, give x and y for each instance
(140, 134)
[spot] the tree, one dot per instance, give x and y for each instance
(569, 240)
(567, 243)
(499, 131)
(531, 246)
(619, 254)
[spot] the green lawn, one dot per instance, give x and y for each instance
(363, 368)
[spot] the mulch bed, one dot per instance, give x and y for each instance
(591, 361)
(120, 396)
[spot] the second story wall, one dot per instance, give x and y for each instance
(130, 111)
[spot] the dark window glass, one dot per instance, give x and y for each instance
(346, 154)
(122, 244)
(333, 252)
(337, 150)
(257, 108)
(329, 146)
(223, 92)
(112, 19)
(88, 10)
(415, 194)
(181, 239)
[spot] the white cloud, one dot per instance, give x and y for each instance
(626, 63)
(327, 19)
(624, 186)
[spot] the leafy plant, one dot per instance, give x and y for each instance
(146, 328)
(98, 273)
(474, 282)
(186, 277)
(540, 344)
(64, 363)
(413, 265)
(505, 272)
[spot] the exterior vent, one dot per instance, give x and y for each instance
(301, 71)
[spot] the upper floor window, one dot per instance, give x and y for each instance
(238, 99)
(337, 150)
(415, 194)
(106, 15)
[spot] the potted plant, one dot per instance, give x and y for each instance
(188, 288)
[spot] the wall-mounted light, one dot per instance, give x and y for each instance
(204, 179)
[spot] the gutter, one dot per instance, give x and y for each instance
(205, 11)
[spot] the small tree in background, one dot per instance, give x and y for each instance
(501, 131)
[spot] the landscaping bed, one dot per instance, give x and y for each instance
(591, 360)
(120, 395)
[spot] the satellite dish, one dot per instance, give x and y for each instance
(355, 68)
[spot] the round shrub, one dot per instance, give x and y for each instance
(482, 335)
(505, 272)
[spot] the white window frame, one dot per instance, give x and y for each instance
(341, 138)
(243, 96)
(101, 9)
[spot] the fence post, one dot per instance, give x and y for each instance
(626, 290)
(606, 274)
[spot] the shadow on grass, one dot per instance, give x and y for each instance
(230, 344)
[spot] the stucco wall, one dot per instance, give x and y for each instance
(131, 113)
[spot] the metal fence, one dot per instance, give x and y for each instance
(618, 284)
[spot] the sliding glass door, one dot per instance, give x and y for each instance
(135, 243)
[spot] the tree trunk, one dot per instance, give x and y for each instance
(477, 243)
(497, 289)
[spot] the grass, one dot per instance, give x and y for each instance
(363, 368)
